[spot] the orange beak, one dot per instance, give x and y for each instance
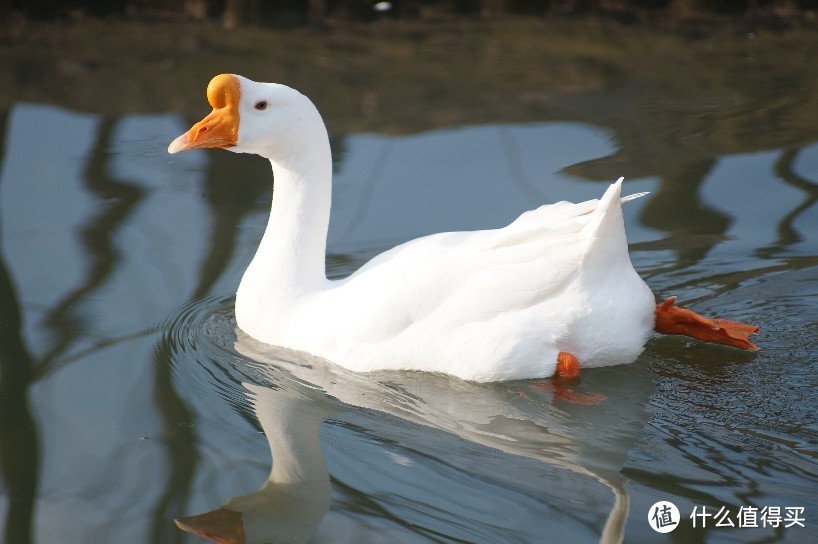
(221, 127)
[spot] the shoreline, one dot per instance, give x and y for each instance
(661, 93)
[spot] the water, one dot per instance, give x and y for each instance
(129, 398)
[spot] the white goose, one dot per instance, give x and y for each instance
(536, 298)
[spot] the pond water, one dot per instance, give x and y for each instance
(129, 398)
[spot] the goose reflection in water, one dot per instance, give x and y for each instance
(296, 495)
(517, 418)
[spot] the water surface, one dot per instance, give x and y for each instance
(129, 398)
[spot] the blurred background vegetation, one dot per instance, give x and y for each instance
(679, 82)
(292, 13)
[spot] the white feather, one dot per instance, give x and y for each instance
(484, 305)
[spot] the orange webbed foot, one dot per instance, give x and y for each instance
(567, 367)
(670, 319)
(566, 375)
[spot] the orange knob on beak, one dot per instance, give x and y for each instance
(221, 127)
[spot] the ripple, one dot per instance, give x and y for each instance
(418, 444)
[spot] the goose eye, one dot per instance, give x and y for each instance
(261, 105)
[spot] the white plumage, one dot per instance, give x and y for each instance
(485, 305)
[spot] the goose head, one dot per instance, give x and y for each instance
(267, 119)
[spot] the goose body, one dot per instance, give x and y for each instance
(485, 305)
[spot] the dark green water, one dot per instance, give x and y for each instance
(128, 399)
